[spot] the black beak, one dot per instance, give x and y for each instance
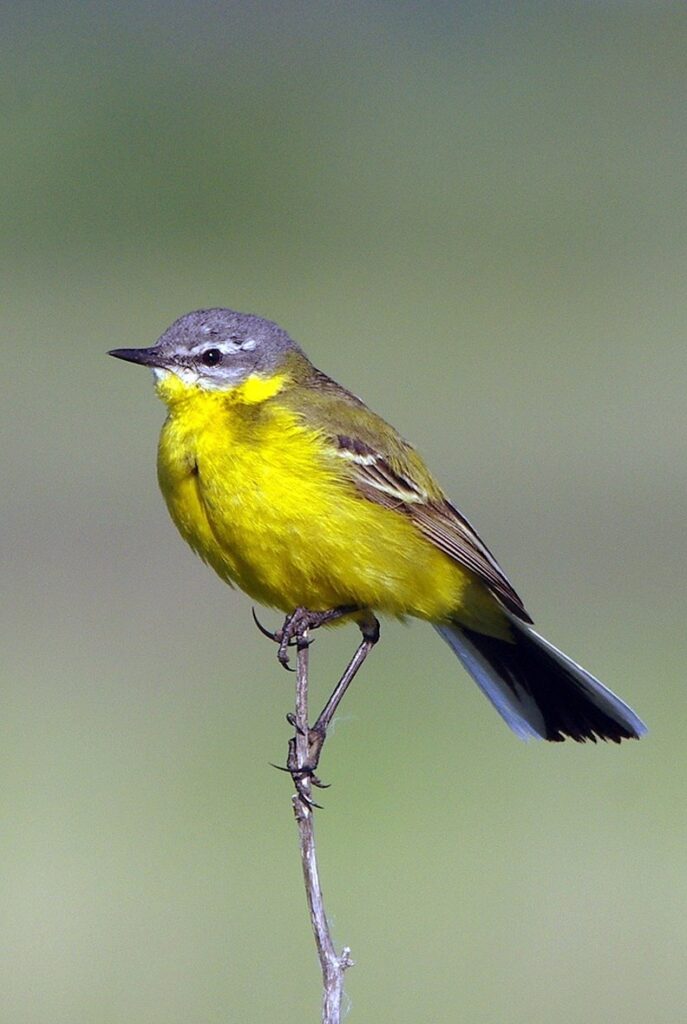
(144, 356)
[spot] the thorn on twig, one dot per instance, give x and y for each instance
(346, 960)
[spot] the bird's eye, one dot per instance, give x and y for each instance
(211, 357)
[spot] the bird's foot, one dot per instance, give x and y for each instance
(303, 772)
(294, 631)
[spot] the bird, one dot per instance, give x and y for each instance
(294, 491)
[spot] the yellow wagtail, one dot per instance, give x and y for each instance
(292, 489)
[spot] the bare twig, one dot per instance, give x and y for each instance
(332, 964)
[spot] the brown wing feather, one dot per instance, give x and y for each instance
(379, 481)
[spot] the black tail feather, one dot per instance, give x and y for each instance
(539, 691)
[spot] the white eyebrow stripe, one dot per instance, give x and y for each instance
(226, 347)
(222, 346)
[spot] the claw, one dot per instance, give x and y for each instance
(283, 660)
(286, 641)
(298, 775)
(283, 654)
(319, 783)
(265, 632)
(307, 800)
(291, 719)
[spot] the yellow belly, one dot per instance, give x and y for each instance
(260, 499)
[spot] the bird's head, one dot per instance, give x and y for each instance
(215, 350)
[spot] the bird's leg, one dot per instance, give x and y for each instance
(296, 626)
(318, 733)
(294, 632)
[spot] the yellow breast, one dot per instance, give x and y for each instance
(261, 498)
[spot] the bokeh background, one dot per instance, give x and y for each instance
(474, 216)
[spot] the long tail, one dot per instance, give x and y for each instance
(538, 690)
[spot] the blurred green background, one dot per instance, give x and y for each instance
(474, 216)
